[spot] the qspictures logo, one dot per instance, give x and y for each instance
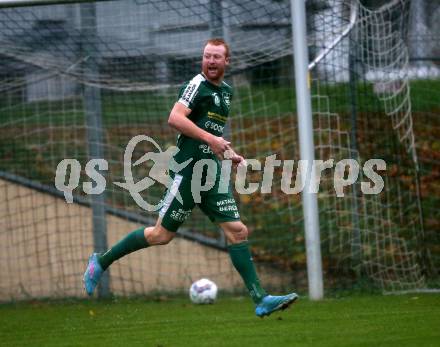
(308, 174)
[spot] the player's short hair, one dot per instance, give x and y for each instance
(219, 42)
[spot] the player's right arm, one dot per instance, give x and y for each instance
(179, 120)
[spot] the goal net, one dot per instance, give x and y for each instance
(78, 81)
(381, 236)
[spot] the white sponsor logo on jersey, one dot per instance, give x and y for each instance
(214, 126)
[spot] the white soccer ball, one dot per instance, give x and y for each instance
(203, 291)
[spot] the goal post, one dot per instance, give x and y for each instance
(307, 150)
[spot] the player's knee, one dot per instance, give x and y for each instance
(244, 233)
(237, 233)
(158, 235)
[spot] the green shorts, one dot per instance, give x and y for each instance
(219, 207)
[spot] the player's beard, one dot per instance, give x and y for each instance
(214, 75)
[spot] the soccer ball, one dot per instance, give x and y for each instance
(203, 291)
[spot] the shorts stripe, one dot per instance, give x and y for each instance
(171, 194)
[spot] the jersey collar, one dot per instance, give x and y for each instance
(210, 83)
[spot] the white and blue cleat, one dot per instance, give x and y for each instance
(92, 274)
(270, 304)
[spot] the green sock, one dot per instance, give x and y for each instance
(130, 243)
(242, 259)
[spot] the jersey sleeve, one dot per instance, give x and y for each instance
(189, 94)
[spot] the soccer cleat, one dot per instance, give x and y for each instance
(92, 274)
(271, 304)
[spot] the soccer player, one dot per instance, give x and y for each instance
(199, 116)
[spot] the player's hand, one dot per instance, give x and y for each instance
(218, 146)
(240, 161)
(234, 157)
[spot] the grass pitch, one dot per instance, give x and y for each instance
(408, 320)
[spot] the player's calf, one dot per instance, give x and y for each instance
(98, 263)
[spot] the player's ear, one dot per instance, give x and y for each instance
(227, 60)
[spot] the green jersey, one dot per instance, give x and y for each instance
(209, 106)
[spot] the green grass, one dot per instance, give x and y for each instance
(408, 320)
(265, 100)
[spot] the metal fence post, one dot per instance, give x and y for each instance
(93, 111)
